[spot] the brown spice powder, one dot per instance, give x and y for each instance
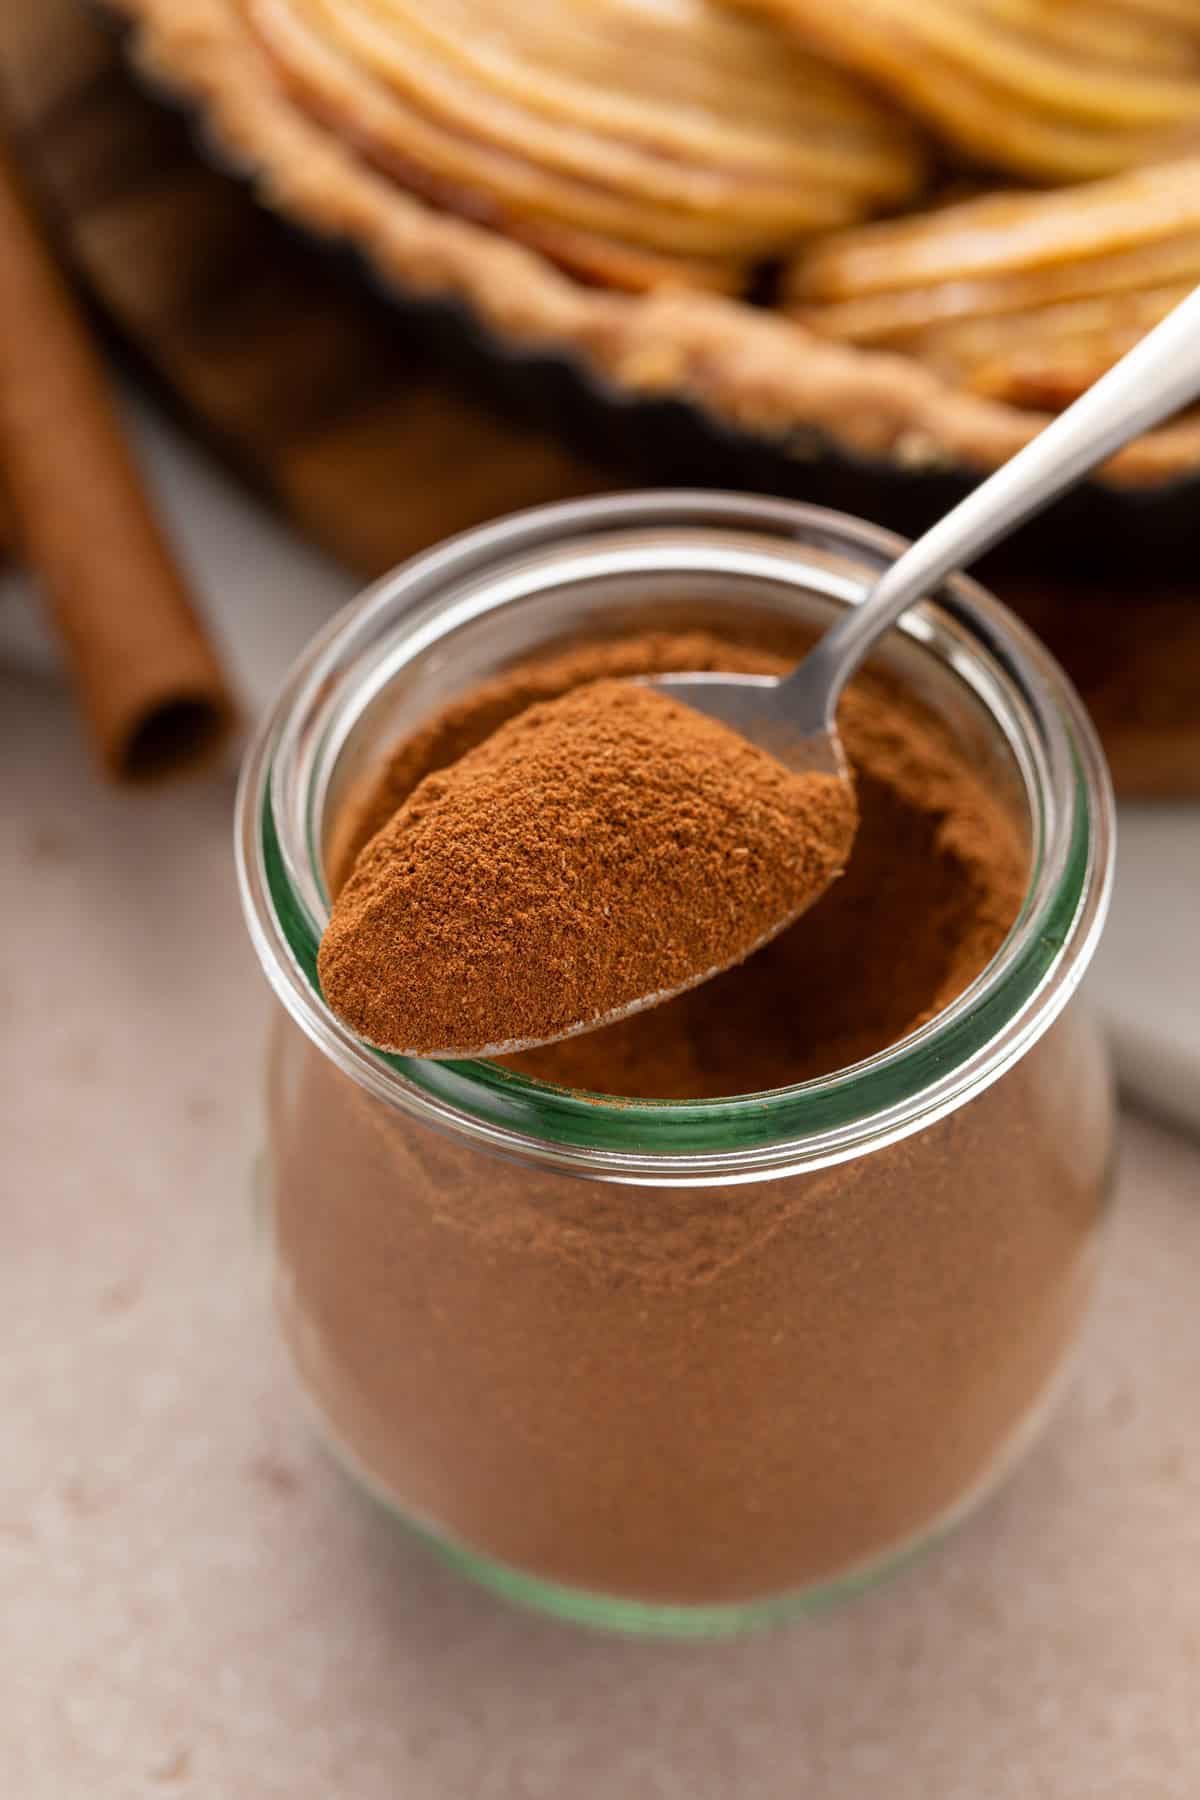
(600, 848)
(686, 1395)
(709, 1394)
(933, 884)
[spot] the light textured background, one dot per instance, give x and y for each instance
(192, 1601)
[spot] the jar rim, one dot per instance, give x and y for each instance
(743, 1137)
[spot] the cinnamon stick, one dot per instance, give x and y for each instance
(150, 686)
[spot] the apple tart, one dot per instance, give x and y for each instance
(690, 200)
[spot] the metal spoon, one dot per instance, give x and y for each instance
(794, 716)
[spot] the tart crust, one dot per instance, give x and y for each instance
(757, 370)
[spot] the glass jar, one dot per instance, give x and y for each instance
(842, 1311)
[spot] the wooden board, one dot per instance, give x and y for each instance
(375, 447)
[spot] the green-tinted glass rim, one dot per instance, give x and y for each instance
(747, 1136)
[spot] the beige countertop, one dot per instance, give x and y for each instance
(193, 1602)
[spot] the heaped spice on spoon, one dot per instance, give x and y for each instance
(605, 847)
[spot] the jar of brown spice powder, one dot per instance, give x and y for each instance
(714, 1315)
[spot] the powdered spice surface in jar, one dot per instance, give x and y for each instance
(931, 885)
(597, 853)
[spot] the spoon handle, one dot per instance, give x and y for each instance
(1157, 377)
